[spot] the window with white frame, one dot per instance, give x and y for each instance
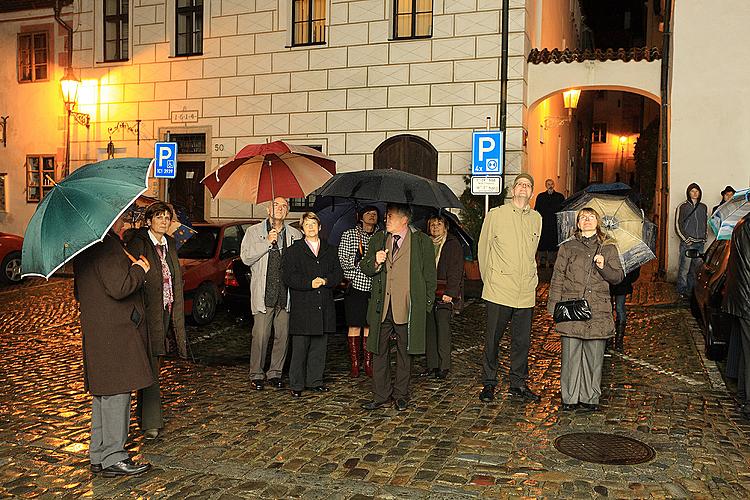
(599, 132)
(33, 56)
(116, 30)
(412, 19)
(308, 22)
(40, 176)
(189, 27)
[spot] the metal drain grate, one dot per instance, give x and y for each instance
(553, 346)
(609, 449)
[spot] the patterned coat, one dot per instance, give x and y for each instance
(350, 243)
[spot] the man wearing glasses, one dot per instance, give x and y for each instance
(262, 248)
(507, 249)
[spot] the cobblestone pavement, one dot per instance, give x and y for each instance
(224, 440)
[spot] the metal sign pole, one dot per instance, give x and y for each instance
(487, 197)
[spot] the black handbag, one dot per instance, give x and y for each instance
(576, 309)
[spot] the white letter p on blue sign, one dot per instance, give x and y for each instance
(487, 152)
(165, 154)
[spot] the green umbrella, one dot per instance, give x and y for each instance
(79, 210)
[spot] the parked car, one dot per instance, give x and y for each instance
(10, 258)
(708, 294)
(204, 259)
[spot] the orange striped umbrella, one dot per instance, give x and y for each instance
(260, 172)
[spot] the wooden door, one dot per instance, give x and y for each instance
(186, 189)
(409, 153)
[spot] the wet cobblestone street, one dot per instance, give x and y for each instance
(224, 440)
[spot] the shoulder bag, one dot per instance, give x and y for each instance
(576, 309)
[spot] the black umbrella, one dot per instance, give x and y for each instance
(339, 214)
(390, 186)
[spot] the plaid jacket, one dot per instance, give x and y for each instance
(352, 248)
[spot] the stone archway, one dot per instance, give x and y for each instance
(409, 153)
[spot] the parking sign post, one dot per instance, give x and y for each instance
(165, 159)
(487, 155)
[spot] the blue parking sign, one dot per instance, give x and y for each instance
(165, 159)
(487, 153)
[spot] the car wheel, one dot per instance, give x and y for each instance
(714, 351)
(11, 268)
(204, 305)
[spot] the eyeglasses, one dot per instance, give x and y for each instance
(587, 217)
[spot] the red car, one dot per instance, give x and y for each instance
(204, 259)
(10, 258)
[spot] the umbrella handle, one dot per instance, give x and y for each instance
(133, 259)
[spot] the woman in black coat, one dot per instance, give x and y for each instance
(449, 261)
(311, 270)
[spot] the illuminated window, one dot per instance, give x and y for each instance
(189, 17)
(412, 19)
(116, 30)
(599, 132)
(40, 174)
(309, 19)
(33, 56)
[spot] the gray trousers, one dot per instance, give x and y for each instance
(148, 401)
(382, 387)
(581, 370)
(438, 338)
(308, 361)
(110, 418)
(262, 322)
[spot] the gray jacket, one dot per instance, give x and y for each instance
(254, 253)
(691, 224)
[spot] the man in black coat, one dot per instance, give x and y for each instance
(737, 301)
(548, 204)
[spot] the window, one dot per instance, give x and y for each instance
(116, 30)
(309, 19)
(189, 144)
(597, 172)
(40, 172)
(304, 204)
(33, 52)
(599, 132)
(3, 195)
(412, 19)
(189, 24)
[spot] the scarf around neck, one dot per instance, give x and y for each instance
(439, 241)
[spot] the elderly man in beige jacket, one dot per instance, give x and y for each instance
(507, 247)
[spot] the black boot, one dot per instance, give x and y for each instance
(619, 335)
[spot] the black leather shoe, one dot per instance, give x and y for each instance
(319, 388)
(569, 406)
(96, 468)
(373, 405)
(257, 385)
(125, 468)
(441, 374)
(296, 394)
(429, 372)
(276, 382)
(487, 394)
(525, 393)
(400, 404)
(589, 407)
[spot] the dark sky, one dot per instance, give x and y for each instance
(616, 23)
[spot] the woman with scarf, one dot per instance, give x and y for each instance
(585, 268)
(352, 248)
(449, 261)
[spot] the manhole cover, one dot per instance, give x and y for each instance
(609, 449)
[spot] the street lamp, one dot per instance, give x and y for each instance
(69, 85)
(570, 101)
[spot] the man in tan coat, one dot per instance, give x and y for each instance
(507, 248)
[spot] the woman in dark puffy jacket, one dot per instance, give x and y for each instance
(586, 265)
(311, 270)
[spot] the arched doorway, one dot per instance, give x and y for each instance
(409, 153)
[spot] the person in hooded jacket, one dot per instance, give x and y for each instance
(737, 302)
(585, 267)
(165, 310)
(691, 219)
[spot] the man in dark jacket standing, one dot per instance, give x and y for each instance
(691, 219)
(737, 301)
(116, 361)
(402, 264)
(548, 203)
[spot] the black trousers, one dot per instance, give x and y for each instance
(743, 376)
(498, 317)
(148, 408)
(381, 363)
(438, 338)
(308, 361)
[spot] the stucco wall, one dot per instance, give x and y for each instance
(710, 143)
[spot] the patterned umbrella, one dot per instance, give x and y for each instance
(622, 220)
(260, 172)
(726, 216)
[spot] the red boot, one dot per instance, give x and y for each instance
(354, 355)
(368, 362)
